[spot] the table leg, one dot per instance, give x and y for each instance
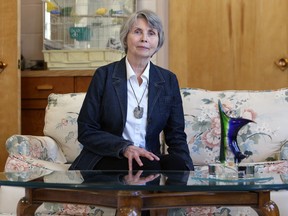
(25, 208)
(270, 209)
(129, 203)
(266, 206)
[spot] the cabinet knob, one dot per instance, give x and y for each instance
(44, 87)
(282, 63)
(3, 65)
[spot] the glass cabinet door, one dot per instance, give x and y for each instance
(76, 25)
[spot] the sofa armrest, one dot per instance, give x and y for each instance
(23, 163)
(37, 147)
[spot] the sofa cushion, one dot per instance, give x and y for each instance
(61, 122)
(262, 139)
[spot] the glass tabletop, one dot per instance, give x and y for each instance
(198, 180)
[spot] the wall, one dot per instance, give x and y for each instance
(32, 29)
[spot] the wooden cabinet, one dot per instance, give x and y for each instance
(81, 83)
(35, 89)
(228, 44)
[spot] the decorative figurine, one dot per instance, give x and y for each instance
(229, 131)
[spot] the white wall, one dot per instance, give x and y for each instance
(31, 30)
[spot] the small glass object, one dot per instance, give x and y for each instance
(231, 172)
(215, 170)
(246, 171)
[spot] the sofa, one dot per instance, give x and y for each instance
(265, 141)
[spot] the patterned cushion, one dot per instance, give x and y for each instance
(263, 139)
(61, 122)
(38, 147)
(66, 209)
(18, 163)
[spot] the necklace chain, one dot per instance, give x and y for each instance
(138, 102)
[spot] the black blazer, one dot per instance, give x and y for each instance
(103, 114)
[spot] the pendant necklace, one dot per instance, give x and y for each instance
(138, 111)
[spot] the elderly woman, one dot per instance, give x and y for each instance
(129, 103)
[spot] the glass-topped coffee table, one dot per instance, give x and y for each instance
(133, 192)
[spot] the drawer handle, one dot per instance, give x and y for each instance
(44, 87)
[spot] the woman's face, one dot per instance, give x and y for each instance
(142, 40)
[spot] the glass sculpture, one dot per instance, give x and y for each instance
(229, 129)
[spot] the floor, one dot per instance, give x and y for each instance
(8, 214)
(9, 197)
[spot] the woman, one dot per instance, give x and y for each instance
(129, 103)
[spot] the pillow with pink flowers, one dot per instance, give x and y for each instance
(61, 122)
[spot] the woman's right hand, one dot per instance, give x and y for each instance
(134, 153)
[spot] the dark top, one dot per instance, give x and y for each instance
(103, 114)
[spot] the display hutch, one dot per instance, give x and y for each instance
(78, 37)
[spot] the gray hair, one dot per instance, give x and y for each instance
(153, 21)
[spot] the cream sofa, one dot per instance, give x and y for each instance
(266, 141)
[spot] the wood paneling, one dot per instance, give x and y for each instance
(10, 77)
(228, 44)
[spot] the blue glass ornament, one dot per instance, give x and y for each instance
(229, 131)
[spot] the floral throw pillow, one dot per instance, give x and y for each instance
(61, 122)
(261, 140)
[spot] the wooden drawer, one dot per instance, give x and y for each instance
(35, 92)
(34, 103)
(82, 83)
(41, 87)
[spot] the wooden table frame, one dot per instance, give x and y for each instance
(132, 202)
